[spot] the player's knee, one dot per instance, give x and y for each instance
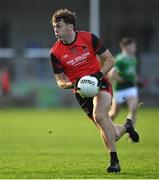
(98, 117)
(112, 114)
(114, 110)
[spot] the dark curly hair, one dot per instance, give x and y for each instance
(65, 15)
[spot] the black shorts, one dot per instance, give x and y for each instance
(87, 103)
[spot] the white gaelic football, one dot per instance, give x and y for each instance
(88, 86)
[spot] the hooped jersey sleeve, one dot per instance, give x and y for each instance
(97, 45)
(56, 65)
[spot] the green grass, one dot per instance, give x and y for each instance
(74, 149)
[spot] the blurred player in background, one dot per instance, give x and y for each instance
(125, 75)
(4, 86)
(74, 56)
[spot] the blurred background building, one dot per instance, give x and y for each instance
(26, 36)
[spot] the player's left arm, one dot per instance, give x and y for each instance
(107, 60)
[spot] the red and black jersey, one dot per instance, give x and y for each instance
(5, 81)
(78, 58)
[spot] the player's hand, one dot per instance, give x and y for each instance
(98, 76)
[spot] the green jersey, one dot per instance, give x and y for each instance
(126, 66)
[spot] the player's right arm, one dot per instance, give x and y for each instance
(61, 79)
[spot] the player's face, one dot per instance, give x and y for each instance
(61, 30)
(131, 48)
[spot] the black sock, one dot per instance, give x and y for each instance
(113, 157)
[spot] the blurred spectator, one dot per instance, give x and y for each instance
(4, 86)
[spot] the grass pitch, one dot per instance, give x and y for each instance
(65, 144)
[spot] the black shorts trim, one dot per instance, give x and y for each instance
(86, 104)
